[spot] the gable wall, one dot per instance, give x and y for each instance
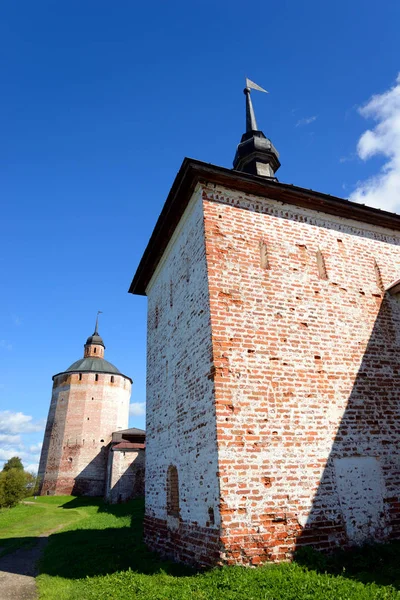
(306, 377)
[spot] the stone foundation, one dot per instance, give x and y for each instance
(183, 542)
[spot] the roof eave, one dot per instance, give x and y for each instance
(194, 171)
(91, 371)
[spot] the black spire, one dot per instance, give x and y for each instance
(95, 338)
(255, 154)
(96, 330)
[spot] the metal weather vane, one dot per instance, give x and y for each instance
(251, 85)
(251, 123)
(99, 312)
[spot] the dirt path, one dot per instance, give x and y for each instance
(19, 569)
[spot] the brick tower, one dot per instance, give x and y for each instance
(272, 365)
(90, 401)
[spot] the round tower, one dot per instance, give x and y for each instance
(90, 401)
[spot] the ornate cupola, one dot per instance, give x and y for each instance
(255, 154)
(94, 346)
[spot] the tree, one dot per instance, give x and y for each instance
(15, 483)
(12, 486)
(13, 463)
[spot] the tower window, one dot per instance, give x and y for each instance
(94, 350)
(80, 376)
(172, 491)
(96, 377)
(112, 378)
(211, 515)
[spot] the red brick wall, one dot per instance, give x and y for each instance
(306, 376)
(83, 414)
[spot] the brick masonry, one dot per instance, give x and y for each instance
(125, 474)
(180, 411)
(83, 414)
(273, 382)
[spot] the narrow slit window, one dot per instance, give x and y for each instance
(264, 262)
(322, 272)
(80, 376)
(94, 350)
(172, 491)
(378, 276)
(96, 377)
(112, 378)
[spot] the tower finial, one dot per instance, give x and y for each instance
(255, 154)
(251, 123)
(99, 312)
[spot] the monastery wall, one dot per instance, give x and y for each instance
(182, 492)
(83, 414)
(305, 350)
(125, 475)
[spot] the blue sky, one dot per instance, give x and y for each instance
(100, 103)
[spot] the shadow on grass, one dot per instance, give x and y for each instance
(87, 552)
(377, 563)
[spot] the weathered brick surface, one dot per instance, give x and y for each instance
(180, 416)
(187, 542)
(83, 414)
(125, 475)
(273, 381)
(306, 376)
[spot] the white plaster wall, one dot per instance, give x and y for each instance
(180, 421)
(361, 490)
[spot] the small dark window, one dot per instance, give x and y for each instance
(172, 491)
(94, 350)
(211, 515)
(102, 440)
(112, 378)
(96, 377)
(80, 376)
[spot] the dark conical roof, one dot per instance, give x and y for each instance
(255, 154)
(98, 365)
(95, 339)
(93, 364)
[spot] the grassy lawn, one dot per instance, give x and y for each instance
(100, 555)
(21, 525)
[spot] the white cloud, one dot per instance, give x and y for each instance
(306, 121)
(137, 409)
(32, 468)
(381, 190)
(17, 423)
(6, 453)
(13, 425)
(27, 456)
(9, 438)
(5, 345)
(35, 448)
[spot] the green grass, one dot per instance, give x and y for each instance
(100, 555)
(21, 525)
